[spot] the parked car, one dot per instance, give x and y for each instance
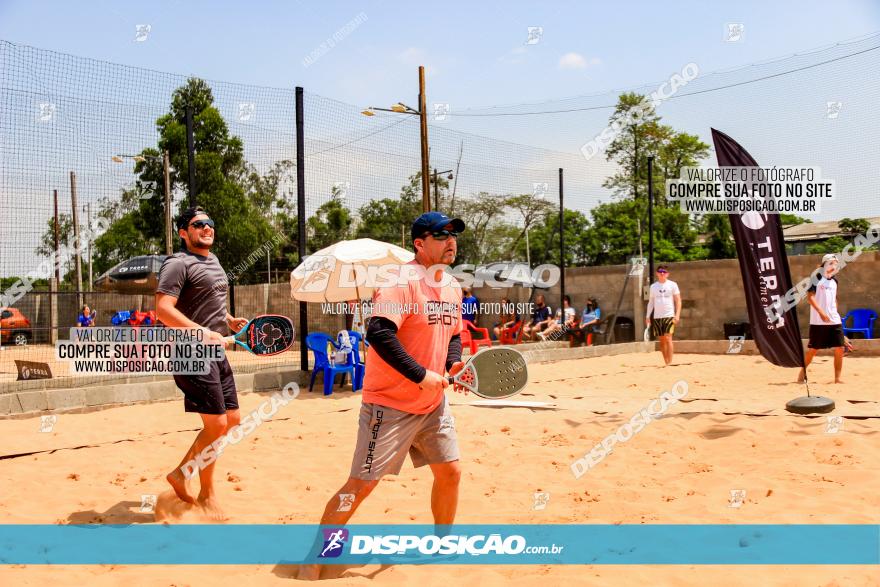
(15, 328)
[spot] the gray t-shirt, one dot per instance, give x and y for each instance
(200, 285)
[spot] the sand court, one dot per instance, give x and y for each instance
(730, 432)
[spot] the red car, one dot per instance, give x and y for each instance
(14, 327)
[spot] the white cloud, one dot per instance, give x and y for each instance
(412, 56)
(577, 61)
(516, 55)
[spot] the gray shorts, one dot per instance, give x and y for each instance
(386, 435)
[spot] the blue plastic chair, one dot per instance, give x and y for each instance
(359, 367)
(317, 343)
(862, 321)
(120, 318)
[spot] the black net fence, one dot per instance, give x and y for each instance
(93, 136)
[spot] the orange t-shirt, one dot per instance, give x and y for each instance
(427, 315)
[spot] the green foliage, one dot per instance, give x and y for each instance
(720, 245)
(121, 241)
(642, 136)
(792, 220)
(7, 282)
(834, 244)
(544, 240)
(614, 235)
(389, 219)
(854, 225)
(488, 236)
(246, 205)
(331, 223)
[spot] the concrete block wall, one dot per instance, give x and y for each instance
(712, 292)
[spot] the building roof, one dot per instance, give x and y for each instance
(811, 231)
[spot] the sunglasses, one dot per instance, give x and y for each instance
(203, 223)
(662, 271)
(442, 235)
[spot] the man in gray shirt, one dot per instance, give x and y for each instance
(192, 294)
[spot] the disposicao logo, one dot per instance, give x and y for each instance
(334, 540)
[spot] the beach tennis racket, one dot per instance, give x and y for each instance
(493, 373)
(265, 335)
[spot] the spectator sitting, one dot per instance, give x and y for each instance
(469, 306)
(86, 317)
(541, 318)
(566, 317)
(589, 320)
(506, 319)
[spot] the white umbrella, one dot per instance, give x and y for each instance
(338, 273)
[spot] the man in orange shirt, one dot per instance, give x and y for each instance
(414, 332)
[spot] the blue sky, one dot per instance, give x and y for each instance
(477, 57)
(475, 51)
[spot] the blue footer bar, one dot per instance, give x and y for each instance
(590, 544)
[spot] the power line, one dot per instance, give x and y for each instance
(611, 106)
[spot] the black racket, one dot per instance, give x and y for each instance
(265, 335)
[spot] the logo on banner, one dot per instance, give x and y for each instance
(317, 269)
(334, 540)
(32, 370)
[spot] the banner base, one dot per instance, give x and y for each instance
(810, 404)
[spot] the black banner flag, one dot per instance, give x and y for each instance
(764, 267)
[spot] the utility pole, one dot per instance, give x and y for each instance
(166, 163)
(301, 219)
(88, 209)
(423, 119)
(76, 245)
(191, 156)
(435, 179)
(561, 247)
(55, 283)
(650, 219)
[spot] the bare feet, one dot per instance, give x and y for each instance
(838, 381)
(178, 482)
(212, 509)
(309, 572)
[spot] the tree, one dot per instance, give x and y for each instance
(720, 245)
(389, 219)
(531, 208)
(331, 222)
(640, 135)
(487, 237)
(243, 203)
(679, 151)
(792, 220)
(613, 237)
(544, 240)
(616, 228)
(854, 226)
(835, 244)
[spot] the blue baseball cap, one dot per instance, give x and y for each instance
(431, 221)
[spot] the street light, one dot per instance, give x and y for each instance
(436, 188)
(401, 108)
(166, 166)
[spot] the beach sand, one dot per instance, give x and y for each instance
(729, 433)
